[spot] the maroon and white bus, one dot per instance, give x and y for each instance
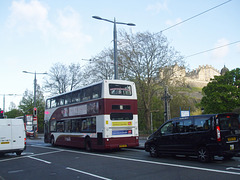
(99, 116)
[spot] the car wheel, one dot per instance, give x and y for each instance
(19, 153)
(203, 155)
(153, 151)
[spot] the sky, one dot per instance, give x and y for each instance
(35, 34)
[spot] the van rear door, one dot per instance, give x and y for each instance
(5, 134)
(229, 125)
(18, 134)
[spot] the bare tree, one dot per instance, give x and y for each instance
(12, 106)
(100, 67)
(142, 55)
(140, 58)
(75, 76)
(62, 78)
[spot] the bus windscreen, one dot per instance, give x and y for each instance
(120, 89)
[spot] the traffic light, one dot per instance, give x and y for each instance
(1, 113)
(34, 112)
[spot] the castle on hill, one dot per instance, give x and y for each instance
(200, 77)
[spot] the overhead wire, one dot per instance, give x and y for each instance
(211, 49)
(196, 15)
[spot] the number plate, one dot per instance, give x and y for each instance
(231, 146)
(4, 142)
(232, 139)
(123, 146)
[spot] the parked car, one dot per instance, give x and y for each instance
(205, 136)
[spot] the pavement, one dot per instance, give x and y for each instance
(142, 141)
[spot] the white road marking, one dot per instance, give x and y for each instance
(40, 154)
(158, 163)
(154, 162)
(16, 171)
(12, 158)
(47, 162)
(232, 168)
(90, 174)
(135, 160)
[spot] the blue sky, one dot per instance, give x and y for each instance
(35, 34)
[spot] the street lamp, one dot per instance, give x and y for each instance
(35, 83)
(34, 122)
(114, 40)
(7, 95)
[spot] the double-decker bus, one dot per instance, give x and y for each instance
(99, 116)
(29, 124)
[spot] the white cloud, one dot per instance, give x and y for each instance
(173, 22)
(69, 25)
(157, 7)
(28, 17)
(220, 53)
(33, 16)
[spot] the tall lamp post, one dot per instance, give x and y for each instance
(35, 83)
(35, 124)
(114, 40)
(4, 95)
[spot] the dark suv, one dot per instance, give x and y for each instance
(203, 135)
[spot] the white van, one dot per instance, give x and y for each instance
(12, 136)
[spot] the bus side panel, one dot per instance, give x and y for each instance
(72, 140)
(107, 143)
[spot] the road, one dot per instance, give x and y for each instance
(42, 161)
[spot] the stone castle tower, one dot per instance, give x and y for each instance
(199, 77)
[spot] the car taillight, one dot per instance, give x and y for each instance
(25, 141)
(218, 134)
